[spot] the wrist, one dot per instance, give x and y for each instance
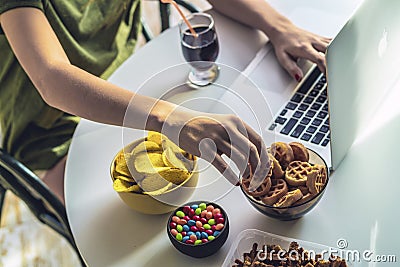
(279, 27)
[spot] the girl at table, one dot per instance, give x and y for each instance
(55, 57)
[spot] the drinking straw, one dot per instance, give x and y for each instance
(182, 15)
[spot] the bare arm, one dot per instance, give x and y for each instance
(61, 84)
(73, 90)
(289, 41)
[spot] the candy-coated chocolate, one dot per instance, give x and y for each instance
(175, 218)
(182, 222)
(189, 242)
(199, 224)
(197, 242)
(210, 208)
(220, 220)
(218, 215)
(201, 229)
(185, 238)
(203, 220)
(196, 217)
(207, 226)
(193, 228)
(204, 235)
(204, 240)
(191, 212)
(190, 233)
(186, 228)
(209, 215)
(204, 213)
(216, 233)
(213, 227)
(186, 209)
(202, 206)
(211, 222)
(211, 238)
(180, 214)
(194, 206)
(179, 228)
(198, 235)
(187, 218)
(172, 225)
(216, 211)
(183, 233)
(179, 237)
(191, 222)
(193, 237)
(174, 232)
(209, 232)
(197, 211)
(219, 227)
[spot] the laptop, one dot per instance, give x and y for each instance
(325, 113)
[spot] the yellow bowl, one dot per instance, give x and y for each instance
(161, 203)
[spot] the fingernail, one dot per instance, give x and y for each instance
(297, 77)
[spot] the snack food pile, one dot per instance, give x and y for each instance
(291, 180)
(152, 167)
(197, 224)
(273, 255)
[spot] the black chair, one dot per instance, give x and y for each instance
(26, 185)
(165, 12)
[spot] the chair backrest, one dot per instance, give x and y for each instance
(26, 185)
(165, 12)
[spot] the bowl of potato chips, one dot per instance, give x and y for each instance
(153, 175)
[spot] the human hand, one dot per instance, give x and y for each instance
(291, 43)
(209, 136)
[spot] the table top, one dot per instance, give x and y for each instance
(355, 206)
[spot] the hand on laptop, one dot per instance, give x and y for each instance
(291, 43)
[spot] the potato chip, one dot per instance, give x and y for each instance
(123, 186)
(122, 169)
(117, 175)
(166, 143)
(153, 182)
(170, 159)
(120, 157)
(177, 160)
(159, 191)
(148, 162)
(155, 137)
(174, 175)
(146, 146)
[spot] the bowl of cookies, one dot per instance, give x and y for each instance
(152, 175)
(295, 183)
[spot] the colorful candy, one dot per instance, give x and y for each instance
(197, 224)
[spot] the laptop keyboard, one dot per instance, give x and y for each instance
(305, 115)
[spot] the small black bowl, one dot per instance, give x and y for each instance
(295, 211)
(204, 249)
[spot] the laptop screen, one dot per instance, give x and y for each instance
(363, 64)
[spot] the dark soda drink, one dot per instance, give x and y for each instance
(204, 47)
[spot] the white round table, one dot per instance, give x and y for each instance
(360, 203)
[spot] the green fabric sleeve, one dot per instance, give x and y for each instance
(7, 4)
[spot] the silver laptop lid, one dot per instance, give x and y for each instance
(363, 62)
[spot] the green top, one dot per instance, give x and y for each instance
(97, 35)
